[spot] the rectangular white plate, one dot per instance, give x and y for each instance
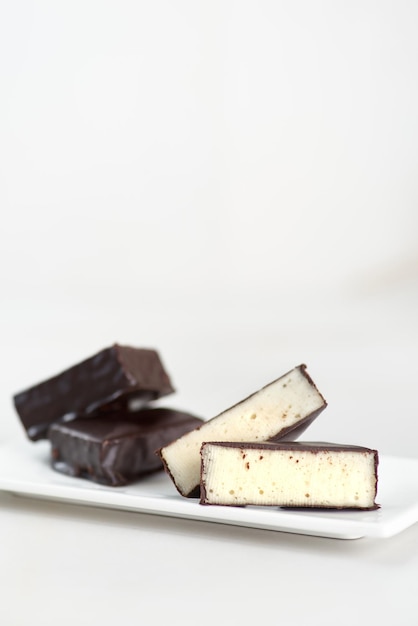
(25, 470)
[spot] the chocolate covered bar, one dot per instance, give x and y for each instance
(282, 409)
(289, 474)
(115, 375)
(116, 448)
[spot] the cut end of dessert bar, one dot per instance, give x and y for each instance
(302, 475)
(282, 409)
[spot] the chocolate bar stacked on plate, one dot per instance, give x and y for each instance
(88, 414)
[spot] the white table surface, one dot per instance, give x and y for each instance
(72, 564)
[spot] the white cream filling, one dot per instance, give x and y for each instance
(240, 476)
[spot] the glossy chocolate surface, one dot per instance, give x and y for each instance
(301, 446)
(119, 447)
(117, 374)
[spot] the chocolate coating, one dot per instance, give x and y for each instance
(116, 374)
(119, 447)
(301, 446)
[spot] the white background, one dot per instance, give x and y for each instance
(235, 184)
(232, 183)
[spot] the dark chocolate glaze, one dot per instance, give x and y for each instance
(119, 447)
(117, 374)
(302, 446)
